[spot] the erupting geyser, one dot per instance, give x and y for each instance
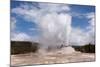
(55, 29)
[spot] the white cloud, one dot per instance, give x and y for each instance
(49, 7)
(20, 37)
(91, 17)
(32, 13)
(91, 27)
(80, 36)
(13, 23)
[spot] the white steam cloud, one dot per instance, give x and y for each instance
(55, 29)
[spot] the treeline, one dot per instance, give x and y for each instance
(88, 48)
(20, 47)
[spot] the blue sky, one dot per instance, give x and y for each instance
(76, 21)
(81, 9)
(26, 25)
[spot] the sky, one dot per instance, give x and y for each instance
(52, 23)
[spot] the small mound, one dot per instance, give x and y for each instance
(66, 50)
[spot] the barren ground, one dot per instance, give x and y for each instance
(50, 58)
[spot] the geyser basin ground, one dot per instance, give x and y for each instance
(51, 58)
